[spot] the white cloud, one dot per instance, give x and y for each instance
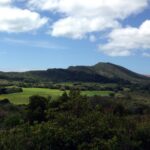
(77, 28)
(5, 2)
(125, 41)
(79, 17)
(13, 19)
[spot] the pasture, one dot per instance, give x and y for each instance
(23, 97)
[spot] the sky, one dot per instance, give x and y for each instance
(42, 34)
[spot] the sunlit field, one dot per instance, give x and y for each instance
(23, 97)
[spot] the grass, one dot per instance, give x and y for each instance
(23, 97)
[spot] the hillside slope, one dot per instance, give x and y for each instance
(113, 71)
(101, 73)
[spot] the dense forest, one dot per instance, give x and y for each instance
(74, 122)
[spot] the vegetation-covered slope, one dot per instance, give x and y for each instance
(112, 71)
(101, 73)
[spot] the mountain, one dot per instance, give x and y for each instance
(101, 73)
(112, 71)
(55, 75)
(147, 75)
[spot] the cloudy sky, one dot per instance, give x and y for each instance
(41, 34)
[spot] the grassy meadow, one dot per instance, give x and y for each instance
(23, 97)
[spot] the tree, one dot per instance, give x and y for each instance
(12, 120)
(64, 97)
(74, 93)
(119, 110)
(36, 109)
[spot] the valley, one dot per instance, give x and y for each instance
(23, 97)
(99, 107)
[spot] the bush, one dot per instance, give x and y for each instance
(36, 109)
(12, 121)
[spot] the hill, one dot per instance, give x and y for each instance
(113, 71)
(101, 73)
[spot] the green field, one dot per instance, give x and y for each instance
(23, 98)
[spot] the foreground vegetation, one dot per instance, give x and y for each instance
(75, 122)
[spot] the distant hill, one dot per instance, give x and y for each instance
(147, 76)
(101, 73)
(113, 71)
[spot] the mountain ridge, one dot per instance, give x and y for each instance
(100, 72)
(111, 71)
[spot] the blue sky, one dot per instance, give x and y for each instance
(58, 33)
